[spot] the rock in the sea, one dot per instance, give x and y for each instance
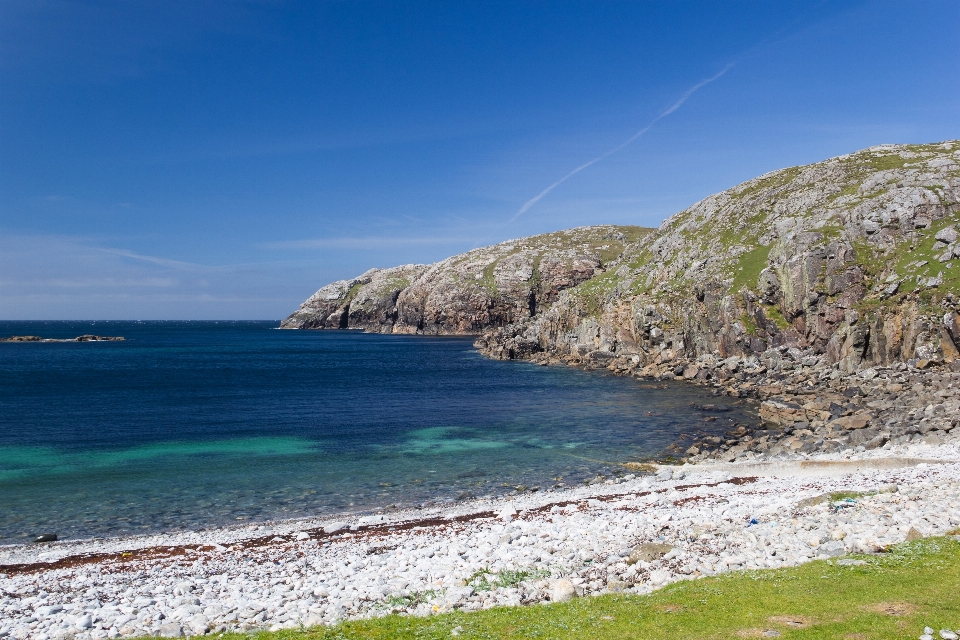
(46, 537)
(747, 272)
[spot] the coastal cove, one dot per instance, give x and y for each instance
(188, 425)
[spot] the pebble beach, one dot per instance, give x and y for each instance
(631, 534)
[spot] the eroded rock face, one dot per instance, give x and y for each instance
(855, 259)
(469, 293)
(368, 301)
(852, 258)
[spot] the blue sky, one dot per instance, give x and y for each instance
(197, 160)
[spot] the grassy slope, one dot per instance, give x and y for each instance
(734, 239)
(894, 596)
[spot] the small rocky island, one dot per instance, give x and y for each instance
(83, 338)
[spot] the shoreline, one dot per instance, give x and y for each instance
(805, 405)
(758, 498)
(631, 535)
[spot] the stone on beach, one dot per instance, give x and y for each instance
(648, 552)
(333, 527)
(562, 590)
(633, 536)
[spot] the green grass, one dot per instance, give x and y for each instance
(749, 324)
(837, 496)
(886, 161)
(595, 292)
(903, 259)
(592, 241)
(400, 602)
(774, 314)
(485, 580)
(748, 268)
(352, 293)
(777, 180)
(391, 285)
(894, 595)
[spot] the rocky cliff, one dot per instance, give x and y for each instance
(852, 261)
(471, 292)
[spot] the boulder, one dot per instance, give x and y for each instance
(562, 590)
(648, 552)
(850, 423)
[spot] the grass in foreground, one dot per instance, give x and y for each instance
(893, 596)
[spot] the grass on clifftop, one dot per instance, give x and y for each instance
(893, 596)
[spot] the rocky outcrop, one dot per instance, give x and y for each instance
(471, 292)
(852, 260)
(368, 301)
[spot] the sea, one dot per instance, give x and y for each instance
(192, 425)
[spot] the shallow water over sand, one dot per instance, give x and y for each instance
(186, 425)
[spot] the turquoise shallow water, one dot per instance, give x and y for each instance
(187, 425)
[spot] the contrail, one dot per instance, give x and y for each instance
(676, 105)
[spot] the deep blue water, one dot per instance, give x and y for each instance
(186, 425)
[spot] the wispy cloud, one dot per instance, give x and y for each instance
(163, 262)
(192, 267)
(53, 276)
(86, 283)
(663, 114)
(368, 242)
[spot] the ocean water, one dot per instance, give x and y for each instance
(187, 425)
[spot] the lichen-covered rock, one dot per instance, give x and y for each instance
(368, 301)
(851, 259)
(853, 262)
(468, 293)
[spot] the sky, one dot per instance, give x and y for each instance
(224, 160)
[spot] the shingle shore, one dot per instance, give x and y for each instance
(634, 534)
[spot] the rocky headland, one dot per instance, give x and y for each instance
(829, 293)
(471, 292)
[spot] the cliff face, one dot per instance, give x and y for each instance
(852, 261)
(471, 292)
